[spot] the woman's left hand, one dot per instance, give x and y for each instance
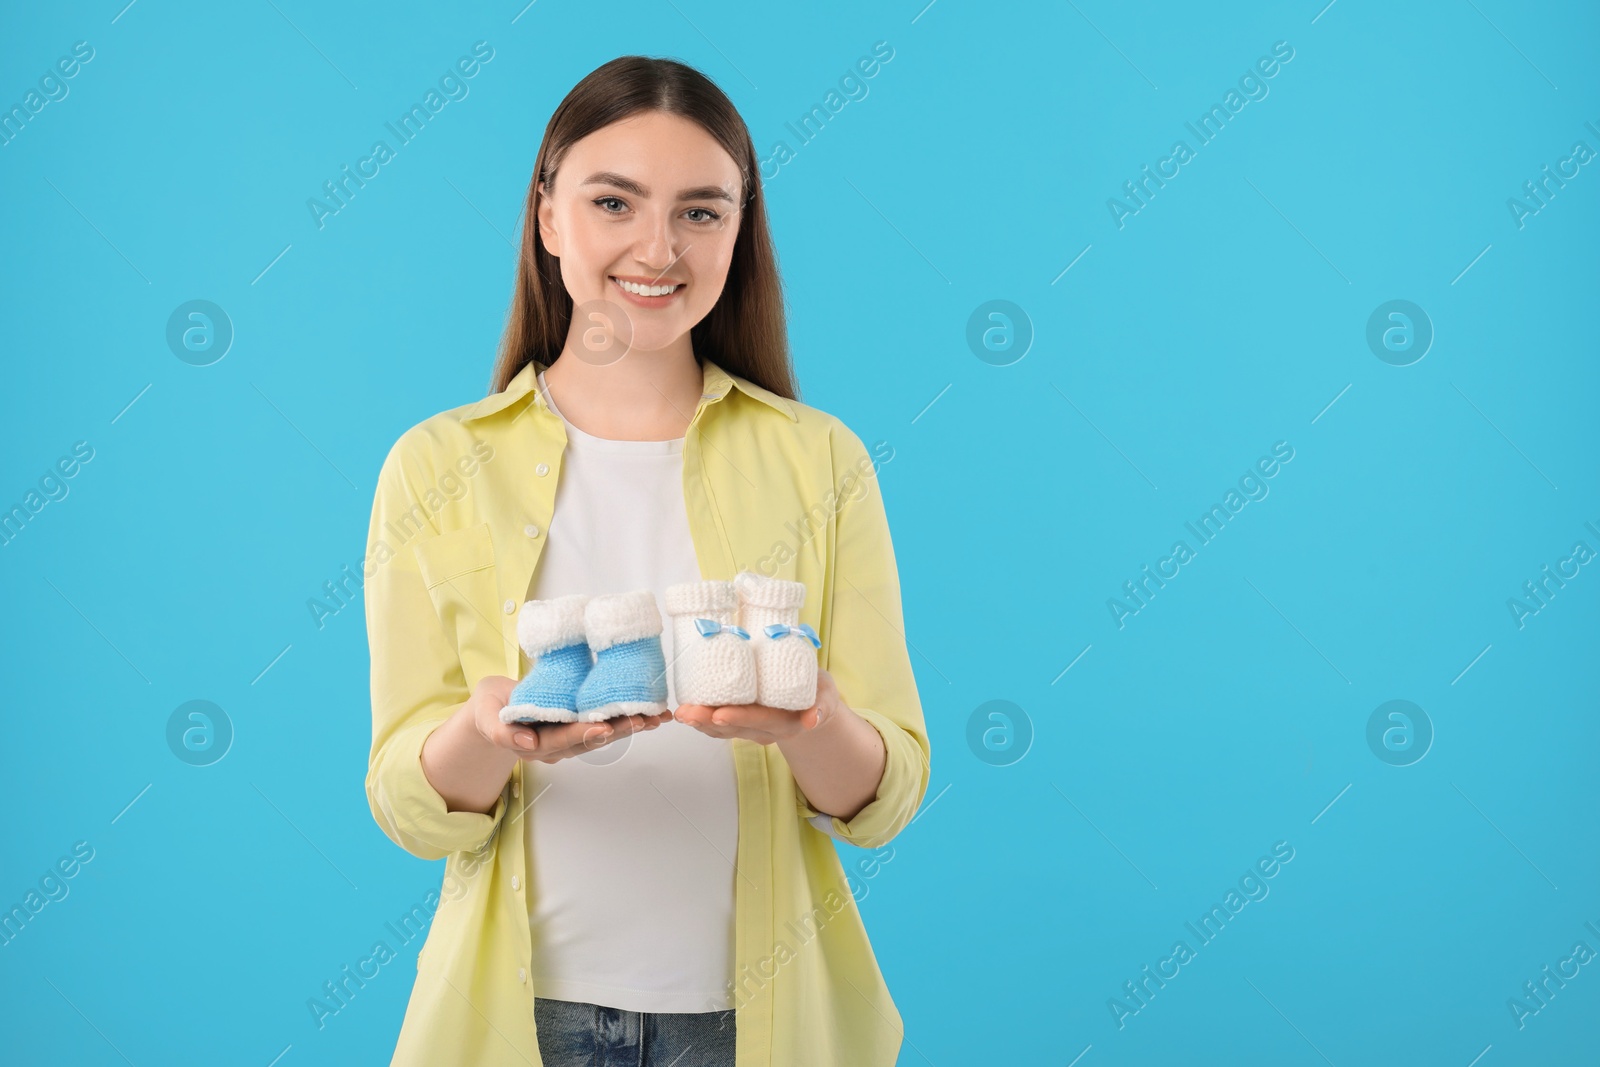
(759, 723)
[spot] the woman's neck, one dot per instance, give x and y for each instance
(644, 396)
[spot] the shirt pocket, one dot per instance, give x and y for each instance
(458, 568)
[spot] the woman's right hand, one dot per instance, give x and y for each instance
(547, 742)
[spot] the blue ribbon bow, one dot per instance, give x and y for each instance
(780, 629)
(711, 627)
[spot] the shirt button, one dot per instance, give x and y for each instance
(510, 606)
(531, 530)
(522, 974)
(516, 883)
(516, 789)
(542, 469)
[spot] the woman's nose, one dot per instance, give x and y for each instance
(655, 249)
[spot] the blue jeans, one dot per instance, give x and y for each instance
(575, 1034)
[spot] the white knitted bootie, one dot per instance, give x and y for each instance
(785, 648)
(712, 661)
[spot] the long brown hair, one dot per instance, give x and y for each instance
(744, 333)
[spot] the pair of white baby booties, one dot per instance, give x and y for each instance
(737, 641)
(758, 653)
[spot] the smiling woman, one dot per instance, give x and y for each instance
(647, 431)
(661, 249)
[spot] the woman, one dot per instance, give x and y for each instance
(670, 895)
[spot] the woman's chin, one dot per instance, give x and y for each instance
(647, 341)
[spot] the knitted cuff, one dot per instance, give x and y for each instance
(763, 592)
(620, 617)
(546, 625)
(710, 597)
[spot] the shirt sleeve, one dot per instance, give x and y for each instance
(417, 681)
(864, 648)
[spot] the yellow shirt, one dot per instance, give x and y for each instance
(464, 500)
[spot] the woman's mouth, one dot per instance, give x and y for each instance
(647, 294)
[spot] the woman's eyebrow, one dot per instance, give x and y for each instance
(703, 192)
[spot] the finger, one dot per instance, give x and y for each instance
(633, 724)
(583, 737)
(517, 736)
(588, 736)
(580, 746)
(735, 721)
(730, 732)
(691, 717)
(563, 740)
(757, 717)
(692, 714)
(559, 737)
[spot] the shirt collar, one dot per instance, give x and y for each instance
(717, 384)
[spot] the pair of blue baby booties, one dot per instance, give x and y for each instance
(594, 658)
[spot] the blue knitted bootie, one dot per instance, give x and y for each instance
(551, 633)
(629, 676)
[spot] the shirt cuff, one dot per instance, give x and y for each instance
(905, 779)
(404, 800)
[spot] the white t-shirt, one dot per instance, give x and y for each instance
(631, 847)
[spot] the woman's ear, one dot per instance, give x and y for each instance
(547, 219)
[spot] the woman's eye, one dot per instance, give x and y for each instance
(612, 205)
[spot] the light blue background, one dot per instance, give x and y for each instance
(1225, 316)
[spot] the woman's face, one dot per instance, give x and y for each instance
(649, 201)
